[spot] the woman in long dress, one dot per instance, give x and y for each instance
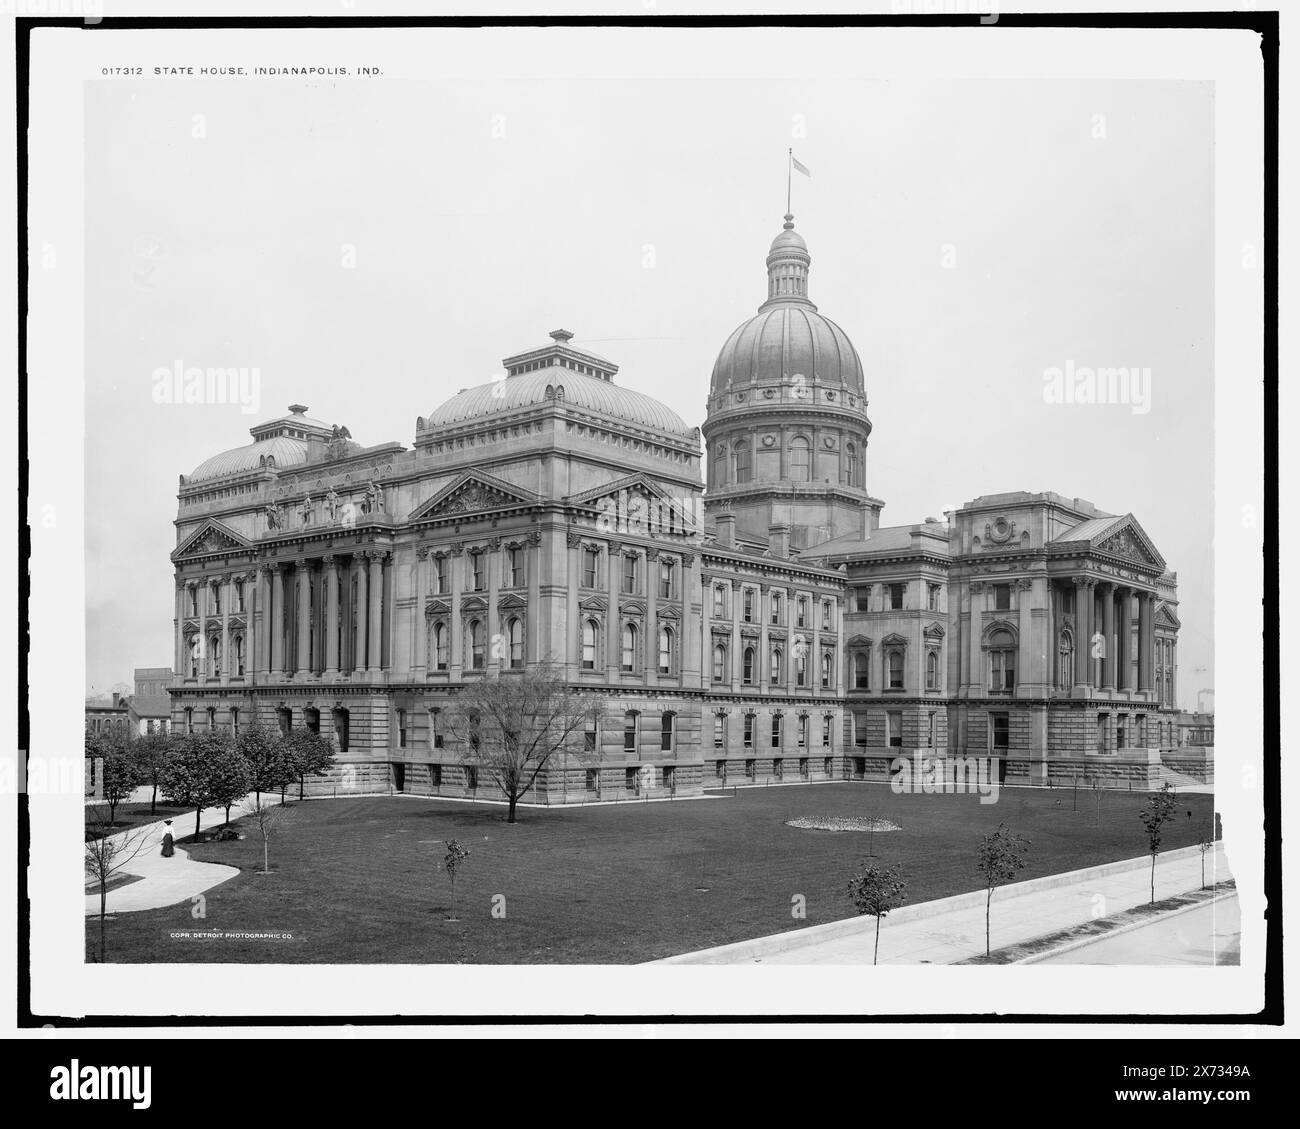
(168, 843)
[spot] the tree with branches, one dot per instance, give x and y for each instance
(106, 856)
(1001, 857)
(229, 778)
(876, 891)
(456, 854)
(308, 754)
(1156, 812)
(188, 780)
(512, 726)
(268, 758)
(150, 753)
(270, 820)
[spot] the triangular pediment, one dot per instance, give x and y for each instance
(212, 537)
(1122, 537)
(437, 607)
(470, 493)
(859, 641)
(933, 631)
(1165, 617)
(638, 505)
(510, 601)
(594, 604)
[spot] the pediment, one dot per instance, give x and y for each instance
(859, 641)
(668, 613)
(594, 604)
(1129, 540)
(893, 640)
(1165, 617)
(510, 601)
(211, 538)
(933, 631)
(470, 493)
(637, 505)
(437, 607)
(473, 604)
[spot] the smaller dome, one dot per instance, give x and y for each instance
(239, 460)
(789, 239)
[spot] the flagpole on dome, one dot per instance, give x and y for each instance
(789, 175)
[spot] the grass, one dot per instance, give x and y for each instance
(360, 881)
(134, 815)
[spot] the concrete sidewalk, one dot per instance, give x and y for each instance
(952, 929)
(166, 881)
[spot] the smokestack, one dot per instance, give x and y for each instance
(726, 529)
(778, 540)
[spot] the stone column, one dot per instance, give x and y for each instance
(374, 641)
(496, 646)
(1145, 641)
(363, 614)
(302, 579)
(1054, 633)
(227, 594)
(613, 642)
(276, 608)
(812, 632)
(763, 667)
(1029, 666)
(178, 637)
(331, 617)
(736, 650)
(693, 658)
(533, 613)
(1128, 619)
(650, 559)
(456, 567)
(1082, 633)
(976, 688)
(1108, 663)
(421, 662)
(572, 612)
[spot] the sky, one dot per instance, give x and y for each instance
(371, 248)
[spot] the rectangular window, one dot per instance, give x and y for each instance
(401, 729)
(933, 599)
(589, 736)
(720, 769)
(1121, 721)
(516, 562)
(719, 602)
(801, 612)
(826, 732)
(896, 597)
(826, 615)
(1101, 732)
(803, 732)
(862, 599)
(471, 777)
(931, 730)
(776, 607)
(666, 733)
(593, 780)
(590, 563)
(749, 730)
(1002, 675)
(894, 722)
(860, 730)
(751, 769)
(719, 731)
(435, 775)
(778, 767)
(776, 730)
(665, 580)
(749, 605)
(629, 732)
(435, 737)
(828, 766)
(476, 574)
(439, 576)
(239, 595)
(803, 767)
(1001, 731)
(629, 574)
(1002, 597)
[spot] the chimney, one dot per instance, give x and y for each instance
(726, 530)
(778, 540)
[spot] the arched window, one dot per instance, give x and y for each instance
(774, 670)
(234, 721)
(475, 641)
(629, 646)
(827, 666)
(719, 663)
(1002, 661)
(515, 631)
(238, 667)
(932, 670)
(214, 657)
(720, 465)
(861, 670)
(196, 651)
(850, 464)
(742, 463)
(801, 668)
(747, 666)
(590, 633)
(665, 650)
(895, 663)
(440, 648)
(800, 460)
(1066, 651)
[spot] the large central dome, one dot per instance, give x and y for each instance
(788, 338)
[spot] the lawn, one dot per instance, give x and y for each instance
(360, 881)
(134, 815)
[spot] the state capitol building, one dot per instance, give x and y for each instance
(758, 625)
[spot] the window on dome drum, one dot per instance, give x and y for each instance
(896, 596)
(861, 670)
(665, 580)
(590, 633)
(665, 650)
(800, 460)
(666, 732)
(774, 669)
(776, 730)
(749, 605)
(895, 665)
(440, 647)
(719, 602)
(776, 607)
(850, 464)
(1002, 662)
(629, 647)
(439, 576)
(932, 670)
(742, 463)
(749, 730)
(476, 651)
(629, 731)
(476, 574)
(515, 633)
(801, 612)
(747, 667)
(590, 564)
(515, 564)
(1002, 597)
(629, 574)
(828, 663)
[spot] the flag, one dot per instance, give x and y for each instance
(799, 165)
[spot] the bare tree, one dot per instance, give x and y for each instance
(269, 820)
(456, 854)
(106, 856)
(1001, 856)
(513, 725)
